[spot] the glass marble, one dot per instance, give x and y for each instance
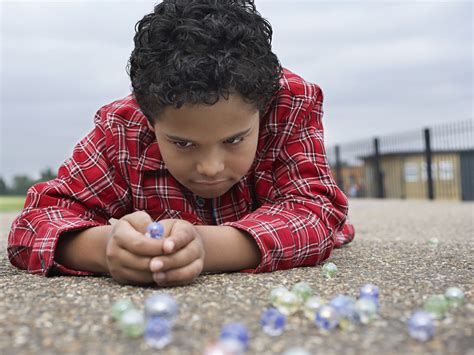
(155, 230)
(437, 306)
(366, 310)
(121, 306)
(272, 322)
(235, 331)
(311, 306)
(224, 347)
(296, 351)
(275, 294)
(157, 332)
(369, 291)
(420, 326)
(455, 297)
(327, 318)
(132, 323)
(433, 242)
(329, 270)
(345, 307)
(302, 290)
(287, 303)
(161, 305)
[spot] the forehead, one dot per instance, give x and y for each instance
(206, 123)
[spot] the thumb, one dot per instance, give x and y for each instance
(139, 220)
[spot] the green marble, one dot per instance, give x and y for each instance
(121, 306)
(302, 290)
(437, 306)
(455, 297)
(329, 270)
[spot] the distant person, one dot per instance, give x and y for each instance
(217, 141)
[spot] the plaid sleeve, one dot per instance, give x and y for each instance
(85, 194)
(297, 225)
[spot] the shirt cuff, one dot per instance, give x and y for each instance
(45, 243)
(268, 231)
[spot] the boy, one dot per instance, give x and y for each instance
(217, 142)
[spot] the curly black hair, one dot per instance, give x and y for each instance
(197, 51)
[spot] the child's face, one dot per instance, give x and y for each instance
(208, 148)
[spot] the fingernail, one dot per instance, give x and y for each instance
(156, 265)
(170, 245)
(159, 277)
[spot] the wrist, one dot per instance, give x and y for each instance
(84, 250)
(228, 249)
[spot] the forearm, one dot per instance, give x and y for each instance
(84, 250)
(228, 249)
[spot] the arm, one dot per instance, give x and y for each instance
(228, 249)
(86, 194)
(303, 208)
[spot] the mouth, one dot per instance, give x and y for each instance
(210, 183)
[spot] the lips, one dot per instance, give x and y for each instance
(210, 183)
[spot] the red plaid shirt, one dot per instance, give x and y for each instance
(288, 201)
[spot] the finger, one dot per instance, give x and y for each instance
(181, 235)
(138, 220)
(122, 257)
(135, 242)
(176, 260)
(181, 276)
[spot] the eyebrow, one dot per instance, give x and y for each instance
(190, 140)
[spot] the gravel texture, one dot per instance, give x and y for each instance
(63, 315)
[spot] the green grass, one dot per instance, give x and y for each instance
(11, 203)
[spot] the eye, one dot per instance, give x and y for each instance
(234, 140)
(182, 144)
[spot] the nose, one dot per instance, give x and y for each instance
(210, 166)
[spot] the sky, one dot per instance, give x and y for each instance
(384, 67)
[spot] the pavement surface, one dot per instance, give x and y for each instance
(71, 315)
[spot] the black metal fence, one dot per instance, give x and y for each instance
(433, 163)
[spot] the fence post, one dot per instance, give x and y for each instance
(339, 179)
(378, 170)
(428, 158)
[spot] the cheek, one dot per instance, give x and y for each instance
(242, 162)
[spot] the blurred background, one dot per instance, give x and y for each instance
(397, 78)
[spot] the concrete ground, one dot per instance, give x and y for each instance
(72, 314)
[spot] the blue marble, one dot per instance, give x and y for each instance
(155, 230)
(272, 322)
(420, 326)
(157, 332)
(327, 318)
(161, 305)
(235, 331)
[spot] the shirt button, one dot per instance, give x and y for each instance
(200, 201)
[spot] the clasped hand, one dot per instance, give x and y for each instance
(133, 258)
